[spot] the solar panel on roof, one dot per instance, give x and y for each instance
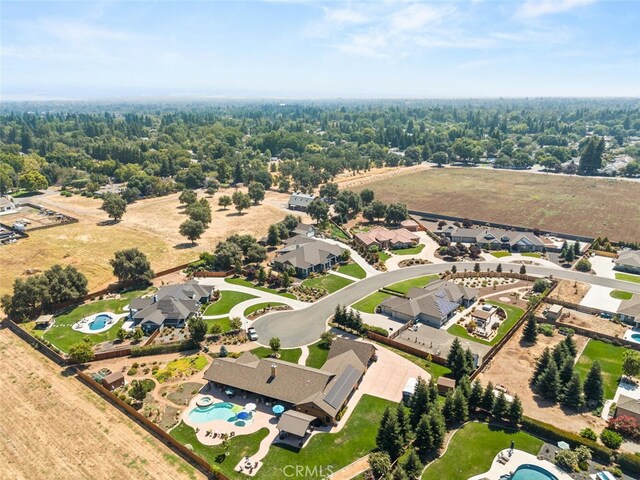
(343, 386)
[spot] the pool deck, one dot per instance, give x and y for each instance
(632, 331)
(517, 458)
(83, 325)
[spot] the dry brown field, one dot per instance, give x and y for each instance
(585, 206)
(54, 427)
(151, 225)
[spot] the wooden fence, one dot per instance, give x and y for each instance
(577, 307)
(602, 253)
(207, 274)
(36, 343)
(191, 457)
(406, 348)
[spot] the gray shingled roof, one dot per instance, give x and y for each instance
(363, 350)
(629, 404)
(172, 302)
(305, 252)
(295, 423)
(630, 307)
(298, 199)
(495, 235)
(630, 258)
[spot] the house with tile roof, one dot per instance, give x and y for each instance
(170, 306)
(434, 304)
(628, 261)
(307, 254)
(384, 238)
(318, 393)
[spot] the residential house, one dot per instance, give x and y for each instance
(304, 229)
(300, 201)
(628, 407)
(383, 238)
(434, 304)
(628, 261)
(496, 239)
(170, 306)
(306, 255)
(629, 310)
(485, 318)
(410, 225)
(320, 394)
(7, 205)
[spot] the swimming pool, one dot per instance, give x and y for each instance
(635, 337)
(99, 322)
(532, 472)
(224, 411)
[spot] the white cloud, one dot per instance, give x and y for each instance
(417, 16)
(537, 8)
(344, 16)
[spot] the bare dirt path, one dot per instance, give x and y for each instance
(53, 427)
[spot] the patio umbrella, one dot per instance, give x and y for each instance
(229, 391)
(564, 446)
(250, 407)
(277, 409)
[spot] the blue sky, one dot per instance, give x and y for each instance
(315, 49)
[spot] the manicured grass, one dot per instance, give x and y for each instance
(501, 253)
(628, 277)
(181, 366)
(324, 450)
(63, 336)
(621, 295)
(410, 251)
(610, 359)
(473, 448)
(317, 356)
(331, 283)
(406, 285)
(259, 306)
(513, 314)
(368, 304)
(239, 447)
(290, 355)
(353, 270)
(246, 283)
(223, 322)
(531, 254)
(434, 369)
(228, 299)
(383, 256)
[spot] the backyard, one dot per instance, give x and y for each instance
(63, 336)
(368, 304)
(228, 299)
(328, 282)
(353, 270)
(406, 285)
(472, 449)
(513, 314)
(610, 359)
(181, 367)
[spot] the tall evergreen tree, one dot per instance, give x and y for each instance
(566, 373)
(530, 332)
(389, 437)
(548, 384)
(403, 423)
(500, 407)
(488, 398)
(460, 406)
(424, 436)
(572, 396)
(475, 397)
(419, 402)
(593, 384)
(448, 408)
(515, 410)
(465, 386)
(438, 427)
(412, 465)
(541, 364)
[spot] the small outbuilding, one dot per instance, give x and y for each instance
(554, 312)
(445, 384)
(44, 322)
(113, 381)
(295, 423)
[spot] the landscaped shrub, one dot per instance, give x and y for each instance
(625, 426)
(132, 371)
(611, 439)
(588, 433)
(546, 329)
(629, 463)
(378, 330)
(163, 348)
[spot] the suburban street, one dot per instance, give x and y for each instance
(302, 327)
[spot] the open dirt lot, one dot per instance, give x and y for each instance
(513, 367)
(151, 225)
(593, 323)
(53, 427)
(570, 291)
(559, 203)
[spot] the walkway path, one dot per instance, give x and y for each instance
(356, 468)
(304, 355)
(304, 326)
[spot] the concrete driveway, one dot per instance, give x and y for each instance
(599, 297)
(302, 327)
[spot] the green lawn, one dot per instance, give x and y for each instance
(353, 270)
(406, 285)
(368, 304)
(290, 355)
(246, 283)
(331, 283)
(410, 251)
(501, 253)
(628, 277)
(223, 322)
(473, 448)
(610, 358)
(383, 256)
(228, 299)
(621, 295)
(317, 356)
(513, 314)
(531, 254)
(239, 447)
(259, 306)
(334, 451)
(436, 370)
(336, 232)
(186, 366)
(63, 336)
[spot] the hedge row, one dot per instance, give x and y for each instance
(629, 463)
(550, 432)
(378, 330)
(163, 348)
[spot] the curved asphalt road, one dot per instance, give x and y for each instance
(302, 327)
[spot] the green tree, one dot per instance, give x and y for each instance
(187, 197)
(380, 464)
(33, 181)
(611, 439)
(515, 410)
(192, 230)
(274, 343)
(583, 265)
(235, 323)
(488, 398)
(138, 334)
(223, 351)
(591, 156)
(122, 334)
(440, 158)
(403, 423)
(366, 196)
(572, 396)
(256, 192)
(396, 213)
(476, 267)
(631, 363)
(460, 406)
(137, 391)
(548, 385)
(200, 211)
(241, 201)
(224, 201)
(318, 210)
(475, 397)
(329, 191)
(523, 270)
(500, 406)
(412, 465)
(388, 438)
(424, 436)
(81, 352)
(114, 205)
(530, 332)
(197, 329)
(593, 384)
(131, 266)
(273, 236)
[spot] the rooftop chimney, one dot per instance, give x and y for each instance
(274, 370)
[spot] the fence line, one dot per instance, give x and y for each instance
(406, 348)
(154, 429)
(576, 306)
(35, 343)
(207, 274)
